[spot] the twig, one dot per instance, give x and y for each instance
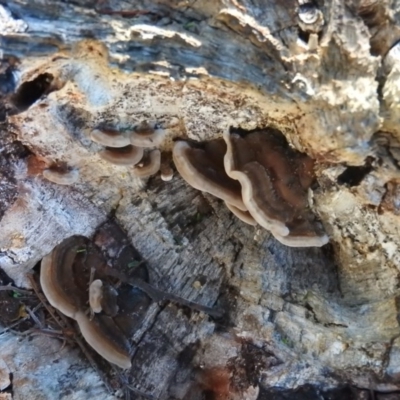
(47, 332)
(34, 317)
(158, 295)
(15, 289)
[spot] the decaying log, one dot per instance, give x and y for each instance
(324, 73)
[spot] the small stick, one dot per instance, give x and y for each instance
(158, 295)
(34, 317)
(15, 289)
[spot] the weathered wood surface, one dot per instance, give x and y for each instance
(321, 316)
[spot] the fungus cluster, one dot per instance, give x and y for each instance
(72, 294)
(137, 149)
(107, 302)
(260, 178)
(133, 148)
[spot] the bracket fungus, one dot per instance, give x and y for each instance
(109, 138)
(149, 165)
(147, 135)
(275, 181)
(67, 291)
(123, 156)
(201, 165)
(261, 179)
(244, 216)
(61, 175)
(76, 274)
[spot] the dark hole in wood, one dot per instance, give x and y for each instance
(31, 91)
(304, 36)
(353, 176)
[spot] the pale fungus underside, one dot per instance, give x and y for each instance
(122, 156)
(61, 176)
(109, 138)
(149, 165)
(96, 295)
(261, 179)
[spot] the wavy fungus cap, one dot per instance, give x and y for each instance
(149, 165)
(275, 181)
(201, 166)
(123, 156)
(109, 138)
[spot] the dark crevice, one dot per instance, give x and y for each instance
(29, 92)
(353, 176)
(304, 36)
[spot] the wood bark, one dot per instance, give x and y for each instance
(324, 316)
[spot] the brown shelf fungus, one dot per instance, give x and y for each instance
(304, 234)
(149, 165)
(103, 336)
(275, 181)
(67, 291)
(54, 276)
(61, 175)
(244, 216)
(109, 138)
(123, 156)
(201, 166)
(147, 135)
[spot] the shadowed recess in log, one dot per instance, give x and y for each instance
(71, 272)
(31, 91)
(353, 175)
